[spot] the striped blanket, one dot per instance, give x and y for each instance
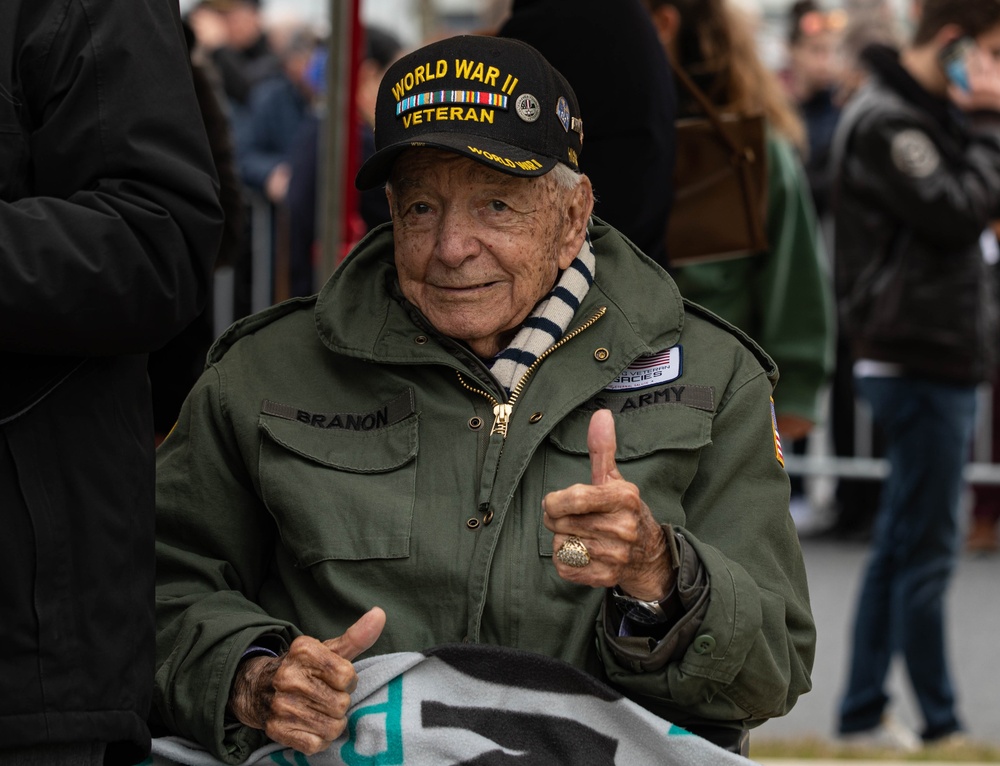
(483, 706)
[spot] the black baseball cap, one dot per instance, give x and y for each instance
(492, 99)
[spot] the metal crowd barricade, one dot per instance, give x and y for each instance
(980, 470)
(262, 266)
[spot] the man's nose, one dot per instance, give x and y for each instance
(457, 236)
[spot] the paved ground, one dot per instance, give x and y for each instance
(793, 762)
(974, 612)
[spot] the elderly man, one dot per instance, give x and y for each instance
(499, 423)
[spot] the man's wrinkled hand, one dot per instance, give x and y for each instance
(301, 699)
(626, 544)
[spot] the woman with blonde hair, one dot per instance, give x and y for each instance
(781, 296)
(714, 43)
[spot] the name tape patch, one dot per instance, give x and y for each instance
(698, 397)
(387, 414)
(653, 370)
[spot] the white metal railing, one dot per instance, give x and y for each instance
(818, 463)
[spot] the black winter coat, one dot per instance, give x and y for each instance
(109, 223)
(917, 187)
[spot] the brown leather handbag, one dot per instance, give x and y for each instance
(720, 184)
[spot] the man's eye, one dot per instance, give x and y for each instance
(497, 206)
(420, 208)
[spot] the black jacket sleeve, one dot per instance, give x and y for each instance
(109, 211)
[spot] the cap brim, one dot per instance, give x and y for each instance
(508, 159)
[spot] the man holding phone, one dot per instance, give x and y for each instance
(917, 154)
(953, 60)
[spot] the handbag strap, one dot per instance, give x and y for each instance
(742, 156)
(705, 103)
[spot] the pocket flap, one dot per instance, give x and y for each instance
(640, 432)
(371, 442)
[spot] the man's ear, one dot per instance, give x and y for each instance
(388, 196)
(667, 21)
(947, 34)
(580, 206)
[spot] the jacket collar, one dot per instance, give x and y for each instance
(885, 63)
(360, 312)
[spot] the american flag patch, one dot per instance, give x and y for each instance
(777, 439)
(652, 370)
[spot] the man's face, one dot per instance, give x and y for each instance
(243, 23)
(476, 249)
(814, 61)
(989, 42)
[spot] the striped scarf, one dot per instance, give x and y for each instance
(549, 321)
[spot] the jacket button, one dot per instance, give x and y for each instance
(704, 644)
(535, 417)
(420, 340)
(475, 423)
(472, 523)
(602, 354)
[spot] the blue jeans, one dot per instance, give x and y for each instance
(928, 429)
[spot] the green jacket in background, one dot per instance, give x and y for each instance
(337, 454)
(782, 297)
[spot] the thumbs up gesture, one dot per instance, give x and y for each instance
(625, 544)
(301, 699)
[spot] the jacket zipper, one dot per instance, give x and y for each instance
(502, 412)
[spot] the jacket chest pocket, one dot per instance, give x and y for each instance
(658, 449)
(339, 494)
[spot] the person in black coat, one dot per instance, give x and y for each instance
(109, 225)
(611, 54)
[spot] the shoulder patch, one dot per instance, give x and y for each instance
(778, 453)
(651, 370)
(914, 153)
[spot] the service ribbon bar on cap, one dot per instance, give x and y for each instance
(452, 97)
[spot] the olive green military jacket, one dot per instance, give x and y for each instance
(338, 454)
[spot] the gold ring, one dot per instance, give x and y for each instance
(573, 553)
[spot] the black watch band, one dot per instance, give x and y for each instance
(643, 612)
